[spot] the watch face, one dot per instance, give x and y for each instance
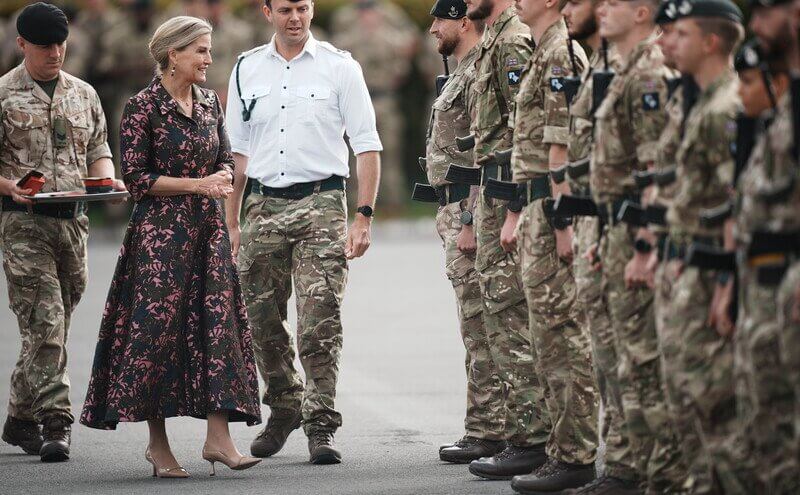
(466, 218)
(365, 210)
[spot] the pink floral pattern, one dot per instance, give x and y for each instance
(174, 339)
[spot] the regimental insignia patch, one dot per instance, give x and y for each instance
(650, 101)
(556, 84)
(511, 62)
(514, 77)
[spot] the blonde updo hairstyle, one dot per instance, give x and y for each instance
(175, 34)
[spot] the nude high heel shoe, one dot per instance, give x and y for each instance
(243, 462)
(173, 472)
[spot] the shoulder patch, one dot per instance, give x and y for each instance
(651, 101)
(556, 84)
(514, 77)
(556, 70)
(512, 61)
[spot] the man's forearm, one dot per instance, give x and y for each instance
(102, 167)
(557, 157)
(368, 170)
(233, 204)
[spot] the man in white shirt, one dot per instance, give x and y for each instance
(290, 102)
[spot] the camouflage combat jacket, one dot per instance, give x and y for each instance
(452, 114)
(59, 138)
(541, 115)
(704, 159)
(504, 52)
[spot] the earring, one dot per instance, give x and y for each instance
(172, 72)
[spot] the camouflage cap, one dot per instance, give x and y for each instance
(722, 9)
(42, 24)
(449, 9)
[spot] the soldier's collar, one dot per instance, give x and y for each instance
(727, 76)
(557, 28)
(310, 47)
(638, 51)
(493, 31)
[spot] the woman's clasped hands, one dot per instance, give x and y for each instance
(217, 185)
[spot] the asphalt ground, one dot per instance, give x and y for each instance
(401, 393)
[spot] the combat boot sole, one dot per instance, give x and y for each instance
(325, 456)
(489, 476)
(54, 452)
(30, 447)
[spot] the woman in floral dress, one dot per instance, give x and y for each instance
(174, 340)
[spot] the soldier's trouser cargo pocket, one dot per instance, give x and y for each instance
(44, 260)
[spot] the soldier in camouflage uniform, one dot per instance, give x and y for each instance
(288, 104)
(708, 31)
(45, 113)
(503, 53)
(452, 113)
(383, 39)
(620, 472)
(628, 124)
(540, 123)
(764, 391)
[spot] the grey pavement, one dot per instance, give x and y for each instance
(401, 392)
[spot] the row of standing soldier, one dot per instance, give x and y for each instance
(606, 215)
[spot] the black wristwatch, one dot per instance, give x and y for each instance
(365, 210)
(515, 205)
(559, 222)
(642, 246)
(466, 217)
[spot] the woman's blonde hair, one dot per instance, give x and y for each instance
(176, 33)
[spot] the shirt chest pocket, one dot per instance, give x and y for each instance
(486, 101)
(450, 115)
(30, 134)
(78, 124)
(257, 102)
(313, 103)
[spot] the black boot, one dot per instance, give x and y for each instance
(469, 449)
(554, 477)
(24, 434)
(607, 485)
(56, 432)
(273, 437)
(320, 446)
(509, 463)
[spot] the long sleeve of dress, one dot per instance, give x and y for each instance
(134, 142)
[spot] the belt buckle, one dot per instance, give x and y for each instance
(767, 259)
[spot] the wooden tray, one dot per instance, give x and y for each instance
(75, 196)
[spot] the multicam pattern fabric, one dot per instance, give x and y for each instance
(485, 410)
(790, 342)
(452, 113)
(630, 121)
(561, 345)
(705, 163)
(301, 240)
(504, 52)
(45, 265)
(505, 315)
(29, 125)
(174, 339)
(541, 116)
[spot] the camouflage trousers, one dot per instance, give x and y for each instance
(562, 346)
(591, 308)
(301, 240)
(505, 316)
(485, 417)
(789, 324)
(651, 435)
(45, 265)
(764, 391)
(698, 370)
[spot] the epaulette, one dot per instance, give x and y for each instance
(251, 51)
(333, 49)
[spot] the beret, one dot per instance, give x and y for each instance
(449, 9)
(722, 9)
(667, 12)
(748, 56)
(42, 24)
(754, 4)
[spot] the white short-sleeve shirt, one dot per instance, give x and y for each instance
(302, 109)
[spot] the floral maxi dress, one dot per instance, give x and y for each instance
(174, 339)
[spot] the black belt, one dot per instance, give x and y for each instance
(452, 193)
(609, 211)
(496, 172)
(64, 211)
(535, 189)
(299, 191)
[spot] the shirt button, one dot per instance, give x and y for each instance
(284, 87)
(282, 173)
(281, 152)
(281, 130)
(287, 67)
(283, 106)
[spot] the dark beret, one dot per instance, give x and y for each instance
(449, 9)
(667, 12)
(748, 56)
(42, 24)
(721, 9)
(755, 4)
